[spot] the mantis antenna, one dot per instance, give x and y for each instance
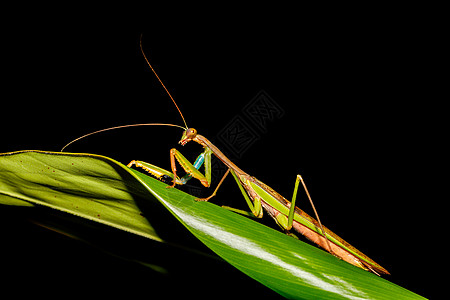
(160, 81)
(143, 124)
(117, 127)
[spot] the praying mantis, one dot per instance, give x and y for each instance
(258, 196)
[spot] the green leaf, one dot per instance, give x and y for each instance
(101, 189)
(86, 185)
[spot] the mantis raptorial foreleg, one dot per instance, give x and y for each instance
(155, 171)
(160, 173)
(190, 169)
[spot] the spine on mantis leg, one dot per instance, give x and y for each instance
(155, 171)
(160, 173)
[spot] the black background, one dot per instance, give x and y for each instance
(358, 121)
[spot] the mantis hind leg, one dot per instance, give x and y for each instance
(290, 218)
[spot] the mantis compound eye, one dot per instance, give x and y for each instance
(188, 135)
(191, 133)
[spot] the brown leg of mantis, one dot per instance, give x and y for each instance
(290, 219)
(173, 166)
(215, 191)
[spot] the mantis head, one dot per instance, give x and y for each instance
(188, 135)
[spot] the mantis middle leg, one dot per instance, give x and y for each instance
(255, 206)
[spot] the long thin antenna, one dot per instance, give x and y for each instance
(160, 81)
(123, 126)
(142, 124)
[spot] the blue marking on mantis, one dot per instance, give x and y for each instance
(197, 164)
